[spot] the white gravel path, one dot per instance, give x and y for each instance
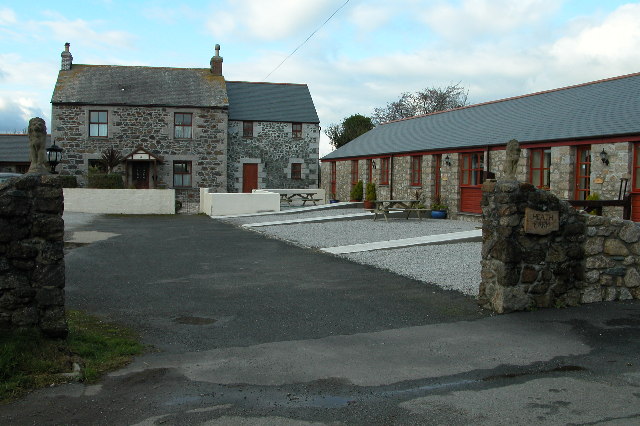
(454, 266)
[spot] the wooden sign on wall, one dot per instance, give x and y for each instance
(540, 223)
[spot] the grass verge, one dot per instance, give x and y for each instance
(29, 361)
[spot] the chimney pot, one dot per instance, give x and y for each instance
(216, 62)
(67, 59)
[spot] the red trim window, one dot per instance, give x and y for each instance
(247, 129)
(333, 179)
(540, 168)
(583, 172)
(472, 169)
(384, 171)
(296, 130)
(98, 123)
(437, 176)
(416, 170)
(182, 125)
(182, 174)
(369, 170)
(354, 172)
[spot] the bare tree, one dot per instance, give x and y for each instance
(427, 101)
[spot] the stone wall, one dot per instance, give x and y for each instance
(274, 149)
(151, 128)
(32, 276)
(587, 259)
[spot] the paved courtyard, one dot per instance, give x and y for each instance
(251, 329)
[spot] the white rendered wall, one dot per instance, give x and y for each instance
(226, 204)
(119, 201)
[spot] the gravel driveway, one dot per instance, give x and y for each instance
(454, 266)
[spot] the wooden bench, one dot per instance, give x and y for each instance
(385, 212)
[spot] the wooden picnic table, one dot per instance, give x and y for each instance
(302, 196)
(385, 206)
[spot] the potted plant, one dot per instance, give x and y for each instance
(356, 191)
(370, 196)
(438, 208)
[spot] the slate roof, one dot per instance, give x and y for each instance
(601, 108)
(270, 102)
(15, 148)
(144, 86)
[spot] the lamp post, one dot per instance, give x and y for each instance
(54, 155)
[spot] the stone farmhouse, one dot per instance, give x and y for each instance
(185, 128)
(575, 141)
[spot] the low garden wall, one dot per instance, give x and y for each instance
(227, 204)
(119, 201)
(32, 275)
(538, 251)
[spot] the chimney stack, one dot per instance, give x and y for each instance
(216, 62)
(67, 59)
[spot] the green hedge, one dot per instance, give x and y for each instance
(105, 181)
(68, 181)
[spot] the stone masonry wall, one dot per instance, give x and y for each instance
(151, 128)
(588, 259)
(32, 276)
(274, 149)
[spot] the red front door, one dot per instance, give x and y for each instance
(249, 177)
(140, 174)
(471, 177)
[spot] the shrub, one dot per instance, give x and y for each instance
(68, 181)
(371, 192)
(356, 191)
(105, 181)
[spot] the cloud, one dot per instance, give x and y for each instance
(7, 16)
(16, 112)
(272, 20)
(369, 17)
(479, 18)
(612, 45)
(82, 32)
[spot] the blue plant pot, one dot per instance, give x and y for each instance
(438, 214)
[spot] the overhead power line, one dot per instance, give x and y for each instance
(306, 40)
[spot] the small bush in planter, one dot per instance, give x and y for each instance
(370, 196)
(438, 208)
(356, 191)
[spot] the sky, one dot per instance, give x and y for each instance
(365, 56)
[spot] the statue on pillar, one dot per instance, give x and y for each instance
(37, 145)
(511, 162)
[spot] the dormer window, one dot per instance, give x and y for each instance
(182, 125)
(98, 124)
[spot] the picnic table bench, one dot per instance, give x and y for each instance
(385, 206)
(302, 196)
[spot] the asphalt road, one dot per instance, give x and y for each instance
(251, 330)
